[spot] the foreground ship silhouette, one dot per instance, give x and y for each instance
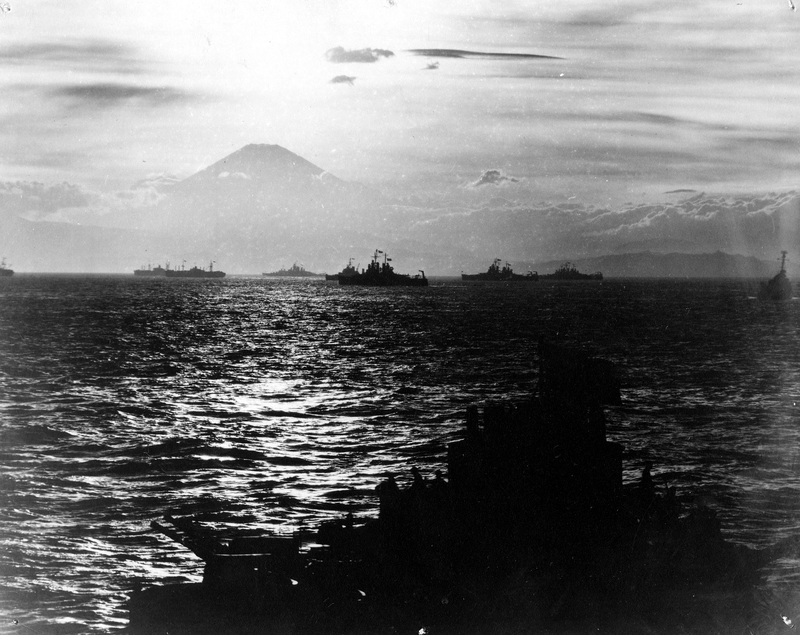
(531, 529)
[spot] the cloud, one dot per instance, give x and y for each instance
(111, 94)
(339, 55)
(494, 177)
(77, 204)
(757, 225)
(157, 181)
(78, 55)
(459, 54)
(146, 192)
(22, 197)
(343, 79)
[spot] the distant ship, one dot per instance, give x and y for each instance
(294, 272)
(778, 288)
(153, 272)
(5, 270)
(349, 270)
(495, 273)
(194, 272)
(381, 274)
(567, 271)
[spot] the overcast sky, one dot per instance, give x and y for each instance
(603, 101)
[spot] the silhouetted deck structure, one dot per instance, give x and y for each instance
(531, 526)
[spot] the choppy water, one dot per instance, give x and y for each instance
(277, 403)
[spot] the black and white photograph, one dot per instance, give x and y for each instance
(399, 317)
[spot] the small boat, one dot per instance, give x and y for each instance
(295, 271)
(568, 271)
(194, 272)
(150, 271)
(495, 273)
(5, 270)
(349, 270)
(778, 288)
(382, 274)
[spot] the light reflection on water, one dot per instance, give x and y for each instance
(268, 404)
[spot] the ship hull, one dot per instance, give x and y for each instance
(363, 280)
(579, 276)
(195, 274)
(295, 271)
(484, 277)
(277, 274)
(348, 272)
(778, 289)
(497, 274)
(567, 271)
(532, 488)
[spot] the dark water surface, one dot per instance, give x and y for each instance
(277, 403)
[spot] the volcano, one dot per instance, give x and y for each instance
(262, 166)
(260, 187)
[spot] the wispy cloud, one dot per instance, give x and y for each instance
(339, 55)
(459, 54)
(78, 55)
(494, 177)
(343, 79)
(101, 95)
(156, 180)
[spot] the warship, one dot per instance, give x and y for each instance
(778, 288)
(568, 271)
(532, 529)
(504, 274)
(382, 274)
(348, 271)
(5, 270)
(295, 271)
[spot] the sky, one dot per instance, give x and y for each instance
(635, 98)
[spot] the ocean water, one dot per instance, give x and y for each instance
(274, 404)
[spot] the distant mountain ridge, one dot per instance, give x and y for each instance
(263, 206)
